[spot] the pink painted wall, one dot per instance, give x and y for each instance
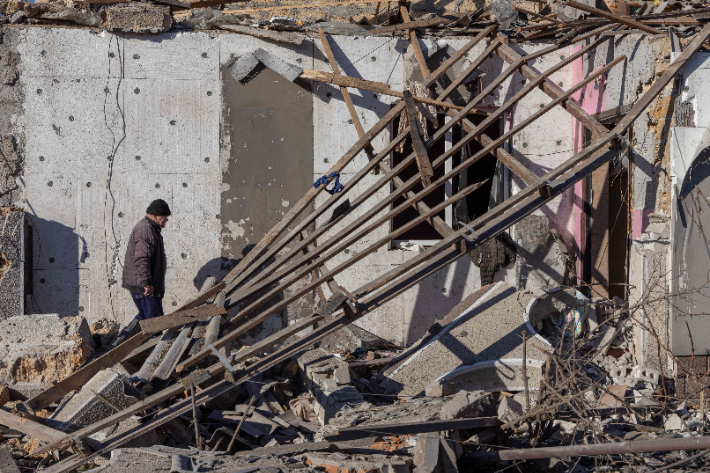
(591, 99)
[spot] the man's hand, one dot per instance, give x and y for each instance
(148, 291)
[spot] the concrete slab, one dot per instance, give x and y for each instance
(490, 330)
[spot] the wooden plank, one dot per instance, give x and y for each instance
(158, 324)
(611, 16)
(209, 295)
(177, 389)
(411, 428)
(510, 56)
(411, 25)
(372, 86)
(174, 3)
(279, 36)
(346, 94)
(426, 172)
(414, 40)
(282, 7)
(520, 9)
(678, 21)
(612, 113)
(29, 427)
(81, 376)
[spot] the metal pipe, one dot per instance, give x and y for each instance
(614, 448)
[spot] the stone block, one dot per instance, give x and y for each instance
(509, 409)
(328, 378)
(439, 390)
(139, 18)
(426, 453)
(12, 268)
(86, 407)
(463, 404)
(41, 349)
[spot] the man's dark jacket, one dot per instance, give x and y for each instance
(145, 261)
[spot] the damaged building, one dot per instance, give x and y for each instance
(405, 237)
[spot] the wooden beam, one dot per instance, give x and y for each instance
(411, 25)
(553, 91)
(279, 36)
(282, 7)
(426, 172)
(411, 428)
(372, 86)
(81, 376)
(29, 427)
(346, 94)
(414, 40)
(158, 324)
(536, 15)
(613, 17)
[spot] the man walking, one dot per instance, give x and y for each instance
(145, 263)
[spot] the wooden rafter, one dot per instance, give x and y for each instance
(425, 170)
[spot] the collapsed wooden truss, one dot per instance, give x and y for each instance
(260, 281)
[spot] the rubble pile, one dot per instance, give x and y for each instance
(548, 380)
(337, 411)
(518, 21)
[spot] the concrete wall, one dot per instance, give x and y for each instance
(114, 121)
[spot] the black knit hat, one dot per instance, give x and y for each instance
(159, 208)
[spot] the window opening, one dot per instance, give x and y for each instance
(474, 205)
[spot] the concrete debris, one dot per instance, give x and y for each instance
(278, 65)
(139, 18)
(7, 462)
(41, 349)
(12, 236)
(106, 393)
(509, 409)
(328, 379)
(352, 338)
(499, 313)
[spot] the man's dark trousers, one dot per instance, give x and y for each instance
(148, 306)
